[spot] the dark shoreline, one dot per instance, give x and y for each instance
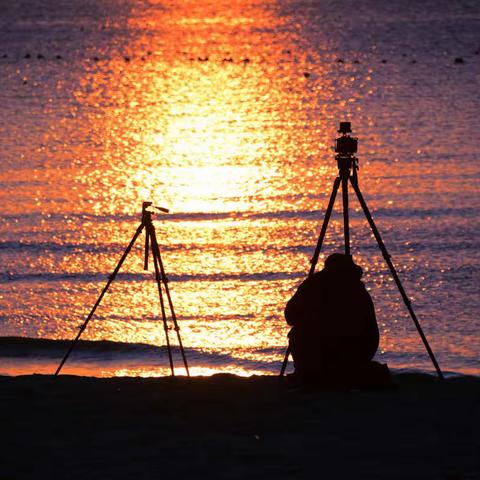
(226, 426)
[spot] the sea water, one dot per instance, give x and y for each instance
(226, 113)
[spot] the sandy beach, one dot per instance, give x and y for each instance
(226, 426)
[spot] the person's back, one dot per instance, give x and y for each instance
(334, 332)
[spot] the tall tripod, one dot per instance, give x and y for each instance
(160, 277)
(345, 148)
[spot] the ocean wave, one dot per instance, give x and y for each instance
(243, 215)
(42, 246)
(443, 243)
(24, 347)
(7, 277)
(98, 352)
(56, 247)
(105, 350)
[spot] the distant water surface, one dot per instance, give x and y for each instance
(226, 112)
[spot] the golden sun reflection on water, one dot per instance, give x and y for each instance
(195, 135)
(193, 131)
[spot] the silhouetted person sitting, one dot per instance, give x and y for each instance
(335, 333)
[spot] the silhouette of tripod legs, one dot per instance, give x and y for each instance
(343, 178)
(161, 280)
(323, 231)
(111, 278)
(387, 257)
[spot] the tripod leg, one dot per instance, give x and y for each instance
(314, 261)
(151, 233)
(156, 250)
(147, 248)
(387, 258)
(323, 231)
(285, 361)
(346, 224)
(97, 303)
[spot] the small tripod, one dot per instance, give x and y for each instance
(160, 277)
(345, 148)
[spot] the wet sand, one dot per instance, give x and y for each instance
(229, 427)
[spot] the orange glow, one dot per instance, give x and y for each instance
(200, 108)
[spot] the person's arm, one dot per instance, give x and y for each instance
(298, 306)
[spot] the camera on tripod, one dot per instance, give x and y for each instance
(346, 145)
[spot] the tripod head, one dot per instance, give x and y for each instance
(345, 148)
(147, 211)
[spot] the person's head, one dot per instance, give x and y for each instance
(341, 264)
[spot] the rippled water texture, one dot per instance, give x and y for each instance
(226, 112)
